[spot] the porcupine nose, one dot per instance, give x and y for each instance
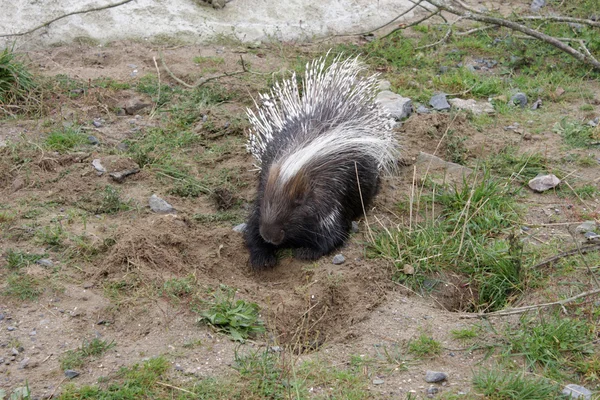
(272, 234)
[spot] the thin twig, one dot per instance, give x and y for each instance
(561, 19)
(417, 22)
(176, 388)
(579, 250)
(65, 16)
(202, 81)
(520, 310)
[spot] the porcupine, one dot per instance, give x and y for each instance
(320, 154)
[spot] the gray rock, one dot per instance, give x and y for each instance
(44, 262)
(33, 333)
(93, 140)
(97, 164)
(120, 176)
(275, 349)
(354, 228)
(537, 104)
(434, 376)
(178, 367)
(123, 146)
(592, 236)
(132, 66)
(586, 227)
(537, 4)
(519, 99)
(399, 107)
(594, 122)
(423, 110)
(432, 390)
(1, 316)
(160, 206)
(24, 363)
(384, 85)
(338, 259)
(97, 123)
(541, 183)
(378, 381)
(439, 102)
(14, 352)
(70, 373)
(11, 328)
(133, 106)
(484, 107)
(241, 228)
(577, 392)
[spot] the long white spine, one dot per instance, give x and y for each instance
(342, 93)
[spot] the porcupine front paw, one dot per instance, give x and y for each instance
(307, 253)
(262, 259)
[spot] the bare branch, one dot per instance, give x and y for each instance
(521, 310)
(89, 10)
(202, 81)
(561, 19)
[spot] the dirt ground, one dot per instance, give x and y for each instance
(341, 310)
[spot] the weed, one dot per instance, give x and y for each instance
(65, 139)
(52, 236)
(551, 343)
(178, 287)
(223, 216)
(465, 333)
(18, 259)
(77, 358)
(105, 201)
(261, 371)
(16, 82)
(161, 95)
(238, 318)
(504, 385)
(455, 148)
(575, 133)
(22, 286)
(522, 167)
(424, 346)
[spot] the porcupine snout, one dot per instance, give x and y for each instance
(272, 233)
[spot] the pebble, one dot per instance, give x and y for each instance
(537, 4)
(541, 183)
(586, 226)
(519, 99)
(432, 390)
(88, 285)
(537, 104)
(439, 102)
(378, 381)
(594, 122)
(384, 85)
(178, 367)
(354, 227)
(591, 236)
(275, 349)
(397, 106)
(93, 140)
(97, 164)
(69, 373)
(44, 262)
(159, 205)
(338, 259)
(423, 110)
(14, 352)
(577, 392)
(11, 328)
(434, 376)
(97, 123)
(241, 228)
(24, 363)
(33, 333)
(1, 316)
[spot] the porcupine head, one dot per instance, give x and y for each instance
(320, 154)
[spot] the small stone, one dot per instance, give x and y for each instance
(541, 183)
(397, 106)
(423, 110)
(354, 227)
(17, 185)
(24, 363)
(11, 328)
(88, 285)
(1, 316)
(519, 99)
(577, 392)
(133, 106)
(254, 45)
(120, 176)
(591, 236)
(97, 164)
(44, 262)
(434, 376)
(338, 259)
(93, 140)
(537, 4)
(123, 146)
(97, 123)
(275, 349)
(439, 102)
(14, 352)
(132, 66)
(537, 104)
(559, 91)
(178, 367)
(432, 390)
(33, 333)
(69, 373)
(378, 381)
(160, 206)
(586, 226)
(527, 136)
(408, 269)
(594, 122)
(474, 106)
(384, 85)
(241, 228)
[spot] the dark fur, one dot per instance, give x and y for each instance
(318, 189)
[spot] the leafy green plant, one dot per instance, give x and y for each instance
(238, 318)
(576, 133)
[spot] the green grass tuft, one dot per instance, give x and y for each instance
(73, 359)
(65, 139)
(16, 82)
(424, 346)
(505, 385)
(18, 259)
(22, 286)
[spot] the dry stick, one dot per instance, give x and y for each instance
(417, 22)
(476, 16)
(65, 16)
(561, 19)
(362, 203)
(175, 387)
(155, 106)
(520, 310)
(580, 250)
(443, 39)
(587, 266)
(203, 80)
